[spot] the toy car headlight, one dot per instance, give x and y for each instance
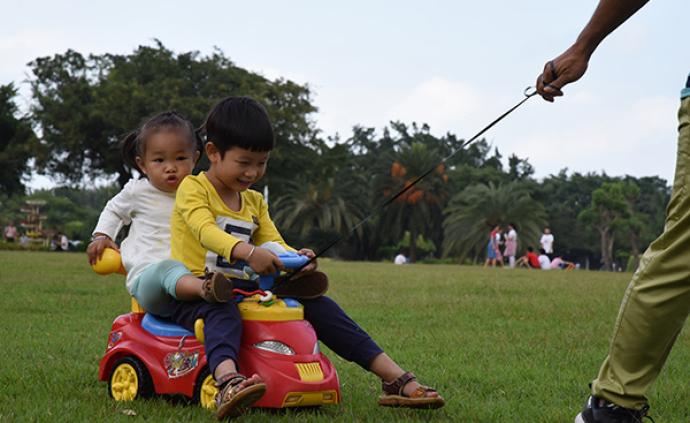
(113, 339)
(275, 347)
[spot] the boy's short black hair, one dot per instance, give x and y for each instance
(239, 122)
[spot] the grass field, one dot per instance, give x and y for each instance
(500, 345)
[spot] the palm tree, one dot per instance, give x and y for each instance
(420, 208)
(326, 205)
(472, 213)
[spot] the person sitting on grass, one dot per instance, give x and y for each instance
(530, 260)
(218, 221)
(559, 263)
(544, 260)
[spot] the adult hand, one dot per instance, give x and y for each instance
(95, 249)
(309, 253)
(564, 69)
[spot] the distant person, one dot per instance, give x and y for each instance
(544, 260)
(400, 258)
(64, 242)
(492, 249)
(529, 260)
(546, 241)
(511, 244)
(656, 304)
(11, 233)
(559, 263)
(499, 242)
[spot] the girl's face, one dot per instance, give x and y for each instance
(238, 169)
(169, 157)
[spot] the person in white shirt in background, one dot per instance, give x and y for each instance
(546, 241)
(400, 259)
(544, 260)
(511, 245)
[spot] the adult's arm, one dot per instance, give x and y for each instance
(572, 63)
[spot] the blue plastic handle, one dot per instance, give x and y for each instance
(293, 261)
(290, 261)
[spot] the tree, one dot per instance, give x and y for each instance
(420, 208)
(519, 169)
(564, 197)
(606, 214)
(84, 105)
(326, 207)
(472, 213)
(16, 140)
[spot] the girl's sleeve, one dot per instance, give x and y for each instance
(267, 229)
(191, 202)
(117, 212)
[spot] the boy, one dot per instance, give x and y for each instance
(217, 221)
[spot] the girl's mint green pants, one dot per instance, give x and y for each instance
(657, 301)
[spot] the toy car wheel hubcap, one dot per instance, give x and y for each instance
(124, 383)
(207, 397)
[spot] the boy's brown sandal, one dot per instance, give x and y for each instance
(306, 286)
(393, 394)
(231, 400)
(217, 288)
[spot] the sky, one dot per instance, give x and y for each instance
(455, 65)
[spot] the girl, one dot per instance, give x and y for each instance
(493, 253)
(164, 151)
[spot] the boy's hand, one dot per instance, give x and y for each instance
(264, 262)
(95, 249)
(309, 253)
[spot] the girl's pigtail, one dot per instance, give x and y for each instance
(199, 137)
(130, 151)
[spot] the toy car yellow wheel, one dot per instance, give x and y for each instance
(205, 390)
(129, 380)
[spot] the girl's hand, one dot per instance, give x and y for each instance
(95, 249)
(264, 262)
(309, 253)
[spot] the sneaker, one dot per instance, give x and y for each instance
(217, 288)
(598, 410)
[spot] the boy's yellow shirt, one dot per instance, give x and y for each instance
(204, 230)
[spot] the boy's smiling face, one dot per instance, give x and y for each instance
(238, 169)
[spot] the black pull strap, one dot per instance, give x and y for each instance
(528, 93)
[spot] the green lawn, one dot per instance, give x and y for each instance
(500, 345)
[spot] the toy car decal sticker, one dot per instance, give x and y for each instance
(180, 363)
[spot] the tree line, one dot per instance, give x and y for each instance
(319, 187)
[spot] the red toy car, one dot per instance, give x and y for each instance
(146, 355)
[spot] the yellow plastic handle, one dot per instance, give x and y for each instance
(110, 262)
